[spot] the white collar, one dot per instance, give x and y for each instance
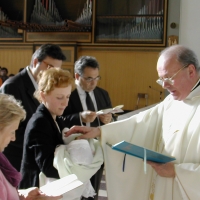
(195, 85)
(31, 77)
(80, 90)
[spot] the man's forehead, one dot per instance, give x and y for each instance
(89, 70)
(169, 62)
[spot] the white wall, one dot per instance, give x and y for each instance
(173, 16)
(189, 31)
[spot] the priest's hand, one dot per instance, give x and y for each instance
(88, 132)
(164, 170)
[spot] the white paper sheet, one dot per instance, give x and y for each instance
(61, 186)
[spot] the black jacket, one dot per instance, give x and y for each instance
(41, 138)
(22, 88)
(71, 113)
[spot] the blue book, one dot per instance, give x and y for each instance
(141, 152)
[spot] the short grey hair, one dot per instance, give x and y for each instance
(183, 54)
(83, 62)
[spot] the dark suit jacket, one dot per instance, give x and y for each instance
(40, 140)
(71, 113)
(21, 87)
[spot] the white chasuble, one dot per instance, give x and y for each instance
(172, 128)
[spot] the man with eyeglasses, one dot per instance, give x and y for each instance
(172, 128)
(86, 70)
(22, 86)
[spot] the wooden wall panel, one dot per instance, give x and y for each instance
(14, 58)
(125, 73)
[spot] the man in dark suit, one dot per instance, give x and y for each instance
(77, 112)
(22, 86)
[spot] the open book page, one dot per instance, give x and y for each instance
(141, 152)
(116, 109)
(62, 186)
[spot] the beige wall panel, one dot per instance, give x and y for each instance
(14, 58)
(127, 73)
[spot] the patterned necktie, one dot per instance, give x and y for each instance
(90, 106)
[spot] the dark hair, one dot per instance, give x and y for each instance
(85, 61)
(5, 69)
(20, 69)
(51, 50)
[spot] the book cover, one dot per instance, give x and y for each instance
(141, 152)
(62, 186)
(116, 109)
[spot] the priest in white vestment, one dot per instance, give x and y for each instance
(172, 128)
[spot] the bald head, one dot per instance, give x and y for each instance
(178, 70)
(181, 54)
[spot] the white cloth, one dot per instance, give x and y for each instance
(65, 166)
(172, 128)
(31, 77)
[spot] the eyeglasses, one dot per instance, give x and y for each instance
(50, 65)
(89, 79)
(170, 80)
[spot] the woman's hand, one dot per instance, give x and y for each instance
(35, 194)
